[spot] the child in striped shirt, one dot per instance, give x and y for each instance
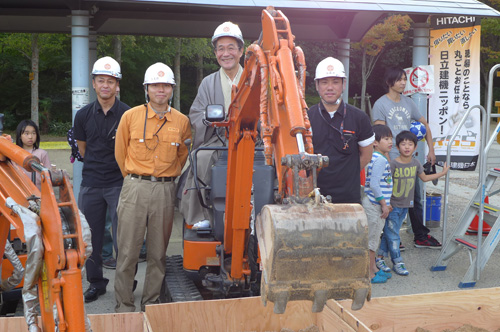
(378, 191)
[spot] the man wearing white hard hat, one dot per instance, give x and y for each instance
(340, 131)
(95, 130)
(150, 151)
(214, 89)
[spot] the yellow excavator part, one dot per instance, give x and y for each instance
(313, 251)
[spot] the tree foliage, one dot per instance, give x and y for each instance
(138, 53)
(55, 76)
(374, 42)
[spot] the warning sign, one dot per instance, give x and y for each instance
(420, 80)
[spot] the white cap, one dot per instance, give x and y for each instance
(227, 29)
(159, 73)
(107, 66)
(330, 67)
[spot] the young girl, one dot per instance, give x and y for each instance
(28, 137)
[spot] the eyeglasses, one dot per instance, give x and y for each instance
(230, 49)
(29, 133)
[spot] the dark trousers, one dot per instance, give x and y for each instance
(416, 215)
(109, 241)
(94, 203)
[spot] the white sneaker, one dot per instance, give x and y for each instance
(202, 224)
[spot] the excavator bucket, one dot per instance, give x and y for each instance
(313, 251)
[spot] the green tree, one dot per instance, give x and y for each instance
(15, 68)
(373, 44)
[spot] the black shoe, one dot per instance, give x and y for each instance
(93, 293)
(109, 263)
(135, 286)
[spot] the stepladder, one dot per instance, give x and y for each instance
(479, 248)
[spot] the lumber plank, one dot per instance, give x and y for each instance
(235, 315)
(129, 322)
(13, 324)
(431, 311)
(329, 320)
(334, 308)
(126, 322)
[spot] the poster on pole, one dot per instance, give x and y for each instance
(419, 80)
(79, 98)
(454, 53)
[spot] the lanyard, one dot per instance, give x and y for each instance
(339, 130)
(145, 121)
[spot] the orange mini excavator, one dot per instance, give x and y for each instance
(55, 235)
(308, 249)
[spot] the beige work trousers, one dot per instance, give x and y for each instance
(143, 206)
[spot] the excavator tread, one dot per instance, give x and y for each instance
(177, 283)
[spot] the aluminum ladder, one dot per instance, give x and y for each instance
(479, 250)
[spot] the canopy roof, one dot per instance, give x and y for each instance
(310, 19)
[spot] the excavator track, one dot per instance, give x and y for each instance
(177, 287)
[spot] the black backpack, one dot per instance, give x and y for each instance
(75, 154)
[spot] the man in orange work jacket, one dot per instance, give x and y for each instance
(150, 152)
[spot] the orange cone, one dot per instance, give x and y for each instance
(474, 225)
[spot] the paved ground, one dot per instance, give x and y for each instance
(418, 261)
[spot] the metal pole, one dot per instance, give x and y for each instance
(344, 52)
(421, 33)
(79, 75)
(92, 60)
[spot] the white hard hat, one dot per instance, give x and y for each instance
(329, 67)
(107, 66)
(159, 73)
(228, 29)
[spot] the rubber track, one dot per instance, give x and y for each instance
(180, 286)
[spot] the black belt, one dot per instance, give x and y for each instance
(153, 178)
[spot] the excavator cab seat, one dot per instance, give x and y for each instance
(263, 189)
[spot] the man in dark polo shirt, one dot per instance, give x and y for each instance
(340, 131)
(95, 130)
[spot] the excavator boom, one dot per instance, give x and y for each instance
(56, 236)
(310, 249)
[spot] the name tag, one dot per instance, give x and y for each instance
(173, 129)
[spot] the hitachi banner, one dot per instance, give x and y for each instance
(454, 53)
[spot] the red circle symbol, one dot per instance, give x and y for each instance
(419, 77)
(161, 74)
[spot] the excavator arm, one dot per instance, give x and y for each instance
(56, 235)
(310, 249)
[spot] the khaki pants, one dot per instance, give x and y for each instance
(143, 206)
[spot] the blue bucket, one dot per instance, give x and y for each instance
(433, 209)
